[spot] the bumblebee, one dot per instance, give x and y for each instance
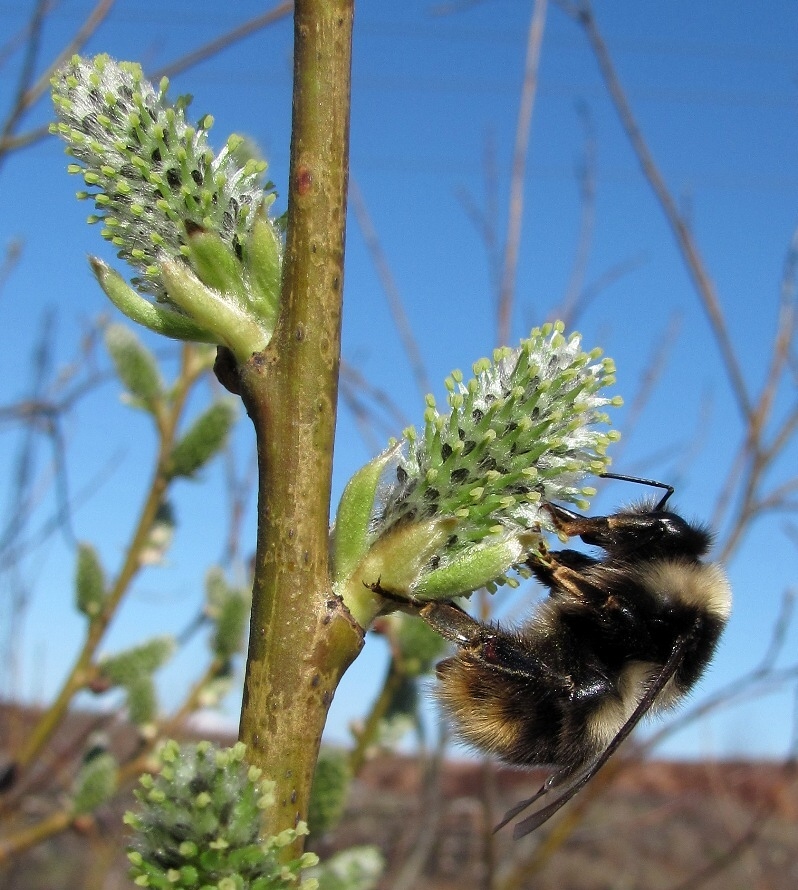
(622, 633)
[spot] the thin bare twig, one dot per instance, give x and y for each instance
(721, 862)
(754, 456)
(19, 38)
(396, 418)
(389, 286)
(34, 35)
(12, 256)
(484, 221)
(10, 142)
(606, 280)
(167, 423)
(240, 489)
(653, 370)
(256, 23)
(783, 337)
(31, 93)
(571, 301)
(705, 287)
(516, 211)
(363, 399)
(426, 833)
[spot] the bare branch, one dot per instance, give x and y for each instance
(27, 94)
(10, 260)
(704, 284)
(604, 281)
(516, 212)
(652, 373)
(484, 221)
(9, 143)
(721, 862)
(389, 286)
(34, 34)
(354, 389)
(426, 831)
(785, 331)
(251, 26)
(572, 301)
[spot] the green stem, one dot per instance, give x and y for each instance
(302, 638)
(167, 422)
(32, 835)
(368, 734)
(16, 842)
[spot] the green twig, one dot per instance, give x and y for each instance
(302, 638)
(167, 422)
(366, 737)
(35, 834)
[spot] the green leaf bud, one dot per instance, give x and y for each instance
(203, 440)
(351, 536)
(479, 565)
(263, 256)
(90, 590)
(358, 868)
(145, 659)
(135, 366)
(397, 560)
(217, 688)
(142, 701)
(228, 639)
(214, 262)
(159, 537)
(227, 316)
(95, 783)
(154, 316)
(133, 670)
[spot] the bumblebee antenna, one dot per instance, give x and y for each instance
(640, 481)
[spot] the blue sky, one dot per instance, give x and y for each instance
(715, 90)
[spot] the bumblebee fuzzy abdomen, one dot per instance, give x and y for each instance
(497, 713)
(527, 709)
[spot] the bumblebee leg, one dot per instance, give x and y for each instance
(575, 525)
(452, 623)
(565, 570)
(401, 600)
(447, 619)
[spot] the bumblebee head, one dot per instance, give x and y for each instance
(649, 533)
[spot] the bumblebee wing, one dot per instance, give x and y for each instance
(528, 825)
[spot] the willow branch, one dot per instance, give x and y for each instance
(81, 668)
(390, 288)
(189, 60)
(302, 638)
(207, 50)
(516, 212)
(695, 264)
